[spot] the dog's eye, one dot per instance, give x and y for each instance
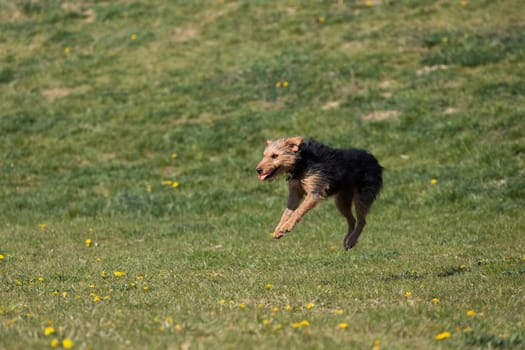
(275, 156)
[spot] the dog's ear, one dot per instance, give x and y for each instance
(293, 143)
(269, 142)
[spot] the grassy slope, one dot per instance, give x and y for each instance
(97, 96)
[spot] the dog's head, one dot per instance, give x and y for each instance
(279, 158)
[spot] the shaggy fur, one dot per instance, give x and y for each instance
(314, 172)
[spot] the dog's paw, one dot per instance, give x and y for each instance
(277, 234)
(349, 243)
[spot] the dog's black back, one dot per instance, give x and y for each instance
(344, 170)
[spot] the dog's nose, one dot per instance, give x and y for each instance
(259, 170)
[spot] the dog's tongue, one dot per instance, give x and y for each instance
(263, 176)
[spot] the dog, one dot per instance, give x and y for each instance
(314, 172)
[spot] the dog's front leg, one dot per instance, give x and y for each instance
(311, 200)
(295, 194)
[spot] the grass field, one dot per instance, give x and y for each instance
(131, 215)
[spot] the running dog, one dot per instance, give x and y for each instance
(314, 172)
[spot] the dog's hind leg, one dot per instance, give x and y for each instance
(343, 202)
(362, 203)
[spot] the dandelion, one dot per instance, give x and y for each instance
(408, 294)
(443, 335)
(65, 294)
(304, 323)
(434, 181)
(471, 313)
(462, 267)
(275, 309)
(278, 84)
(119, 273)
(148, 188)
(88, 242)
(42, 226)
(106, 297)
(435, 300)
(278, 327)
(269, 286)
(174, 155)
(41, 279)
(288, 307)
(309, 306)
(377, 345)
(285, 83)
(242, 305)
(140, 277)
(342, 325)
(92, 285)
(67, 343)
(175, 184)
(67, 51)
(54, 343)
(444, 40)
(296, 325)
(369, 3)
(146, 288)
(222, 302)
(319, 286)
(260, 305)
(96, 299)
(104, 274)
(338, 311)
(321, 19)
(266, 323)
(1, 257)
(48, 331)
(467, 330)
(133, 37)
(55, 293)
(178, 328)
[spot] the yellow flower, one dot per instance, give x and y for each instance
(278, 327)
(175, 184)
(133, 36)
(119, 273)
(65, 294)
(275, 309)
(67, 50)
(260, 305)
(148, 188)
(55, 293)
(54, 343)
(106, 297)
(222, 302)
(146, 288)
(278, 84)
(49, 331)
(342, 325)
(42, 226)
(443, 335)
(166, 182)
(242, 305)
(377, 345)
(309, 306)
(104, 274)
(435, 300)
(96, 299)
(67, 343)
(471, 313)
(92, 285)
(304, 323)
(296, 325)
(408, 294)
(174, 155)
(266, 323)
(1, 257)
(269, 286)
(338, 311)
(369, 3)
(41, 279)
(321, 19)
(289, 308)
(285, 83)
(88, 242)
(434, 181)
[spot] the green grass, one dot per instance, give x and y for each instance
(97, 96)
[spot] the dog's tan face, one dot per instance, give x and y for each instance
(279, 158)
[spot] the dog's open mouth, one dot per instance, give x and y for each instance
(268, 175)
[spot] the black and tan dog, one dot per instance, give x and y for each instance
(314, 172)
